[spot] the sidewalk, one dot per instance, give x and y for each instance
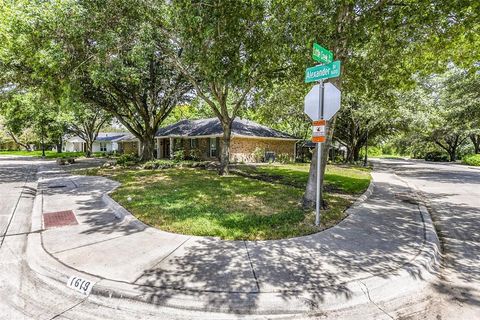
(386, 248)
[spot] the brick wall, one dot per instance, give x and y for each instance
(243, 149)
(128, 147)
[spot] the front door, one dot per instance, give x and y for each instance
(166, 148)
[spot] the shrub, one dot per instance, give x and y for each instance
(150, 165)
(472, 159)
(258, 154)
(284, 158)
(127, 160)
(194, 154)
(178, 156)
(436, 156)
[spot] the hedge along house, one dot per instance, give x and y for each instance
(201, 139)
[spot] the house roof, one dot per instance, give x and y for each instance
(102, 137)
(110, 136)
(212, 127)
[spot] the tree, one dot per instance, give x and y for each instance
(86, 122)
(29, 110)
(380, 43)
(122, 67)
(228, 49)
(110, 52)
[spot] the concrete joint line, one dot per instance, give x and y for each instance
(251, 266)
(164, 258)
(70, 308)
(366, 292)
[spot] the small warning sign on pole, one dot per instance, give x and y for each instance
(319, 131)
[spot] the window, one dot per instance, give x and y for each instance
(103, 147)
(213, 147)
(193, 143)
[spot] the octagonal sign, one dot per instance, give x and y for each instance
(331, 102)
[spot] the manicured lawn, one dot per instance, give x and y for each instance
(340, 178)
(48, 154)
(199, 202)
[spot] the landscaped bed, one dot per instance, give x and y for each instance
(200, 202)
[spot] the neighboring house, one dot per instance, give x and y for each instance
(105, 142)
(128, 144)
(250, 141)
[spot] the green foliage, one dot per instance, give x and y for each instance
(436, 156)
(194, 154)
(284, 158)
(127, 160)
(178, 155)
(472, 159)
(258, 154)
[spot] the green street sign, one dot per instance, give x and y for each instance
(321, 54)
(323, 71)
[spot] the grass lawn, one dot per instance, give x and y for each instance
(48, 154)
(200, 202)
(338, 178)
(38, 153)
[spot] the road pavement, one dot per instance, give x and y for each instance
(380, 262)
(452, 193)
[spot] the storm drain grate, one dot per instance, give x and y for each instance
(59, 219)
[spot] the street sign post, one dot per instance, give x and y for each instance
(321, 104)
(322, 71)
(321, 54)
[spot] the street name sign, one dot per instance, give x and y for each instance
(331, 102)
(323, 71)
(321, 54)
(319, 131)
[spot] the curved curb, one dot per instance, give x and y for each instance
(375, 289)
(127, 217)
(364, 197)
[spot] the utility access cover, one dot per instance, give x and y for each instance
(59, 219)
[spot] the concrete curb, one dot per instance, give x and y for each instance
(375, 289)
(364, 197)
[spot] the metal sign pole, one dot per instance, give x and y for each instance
(318, 199)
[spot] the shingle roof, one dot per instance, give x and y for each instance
(103, 137)
(110, 136)
(212, 127)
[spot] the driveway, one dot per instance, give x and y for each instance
(452, 193)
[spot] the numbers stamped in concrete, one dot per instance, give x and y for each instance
(81, 285)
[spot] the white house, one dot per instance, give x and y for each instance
(105, 142)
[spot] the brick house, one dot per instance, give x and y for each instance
(251, 142)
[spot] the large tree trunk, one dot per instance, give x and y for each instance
(59, 145)
(356, 153)
(88, 148)
(453, 154)
(147, 148)
(225, 155)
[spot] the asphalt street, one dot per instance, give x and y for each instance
(452, 194)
